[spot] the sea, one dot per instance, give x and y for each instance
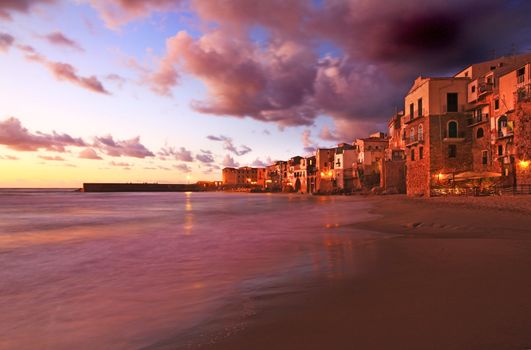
(163, 270)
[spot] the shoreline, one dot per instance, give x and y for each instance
(456, 276)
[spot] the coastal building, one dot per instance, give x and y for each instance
(393, 168)
(276, 176)
(309, 169)
(324, 158)
(371, 151)
(295, 175)
(345, 158)
(244, 176)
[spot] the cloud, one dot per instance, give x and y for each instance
(229, 162)
(350, 60)
(118, 79)
(229, 146)
(122, 148)
(52, 158)
(118, 12)
(8, 157)
(327, 134)
(121, 164)
(14, 136)
(6, 41)
(21, 6)
(308, 144)
(65, 72)
(181, 154)
(243, 79)
(205, 157)
(59, 39)
(258, 163)
(89, 153)
(183, 168)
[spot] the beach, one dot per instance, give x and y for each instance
(455, 276)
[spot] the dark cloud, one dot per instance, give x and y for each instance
(205, 157)
(6, 41)
(14, 136)
(122, 148)
(58, 38)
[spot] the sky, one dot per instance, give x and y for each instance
(171, 91)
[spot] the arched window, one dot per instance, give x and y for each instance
(412, 135)
(480, 133)
(421, 132)
(452, 129)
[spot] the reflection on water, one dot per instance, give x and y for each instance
(120, 271)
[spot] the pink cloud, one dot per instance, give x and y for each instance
(6, 41)
(183, 168)
(181, 154)
(119, 148)
(119, 12)
(21, 6)
(243, 79)
(121, 164)
(14, 136)
(8, 157)
(229, 145)
(58, 38)
(229, 162)
(64, 71)
(52, 158)
(89, 153)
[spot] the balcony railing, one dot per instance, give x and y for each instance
(454, 108)
(458, 136)
(523, 94)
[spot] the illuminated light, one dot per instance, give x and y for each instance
(524, 164)
(269, 181)
(330, 173)
(322, 174)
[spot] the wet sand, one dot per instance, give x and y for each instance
(457, 276)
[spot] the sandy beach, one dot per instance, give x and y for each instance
(456, 276)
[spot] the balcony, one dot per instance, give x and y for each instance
(523, 94)
(505, 132)
(414, 139)
(460, 137)
(453, 109)
(477, 119)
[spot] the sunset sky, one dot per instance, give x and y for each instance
(174, 90)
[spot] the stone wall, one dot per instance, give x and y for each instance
(417, 169)
(393, 177)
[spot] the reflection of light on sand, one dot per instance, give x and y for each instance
(188, 214)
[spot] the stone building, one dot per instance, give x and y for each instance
(324, 158)
(244, 176)
(345, 159)
(276, 176)
(371, 151)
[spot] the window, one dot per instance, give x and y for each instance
(497, 103)
(500, 150)
(421, 132)
(412, 154)
(520, 73)
(412, 135)
(421, 152)
(419, 107)
(451, 102)
(452, 129)
(473, 88)
(479, 133)
(411, 111)
(489, 80)
(484, 157)
(452, 151)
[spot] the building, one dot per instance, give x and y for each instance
(243, 177)
(324, 159)
(295, 175)
(276, 176)
(345, 159)
(371, 151)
